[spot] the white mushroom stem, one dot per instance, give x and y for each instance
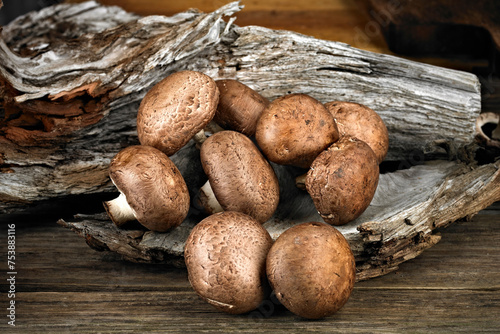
(119, 210)
(483, 119)
(203, 134)
(200, 137)
(208, 200)
(213, 128)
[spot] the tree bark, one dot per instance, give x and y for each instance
(397, 226)
(71, 78)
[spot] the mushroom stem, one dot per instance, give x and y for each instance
(300, 181)
(206, 132)
(119, 210)
(208, 200)
(200, 137)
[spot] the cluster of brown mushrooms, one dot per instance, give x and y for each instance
(232, 261)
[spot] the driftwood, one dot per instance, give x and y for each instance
(70, 97)
(398, 225)
(72, 76)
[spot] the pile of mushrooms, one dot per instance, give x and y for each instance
(232, 261)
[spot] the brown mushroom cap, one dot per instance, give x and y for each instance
(311, 269)
(239, 106)
(357, 120)
(153, 186)
(175, 109)
(239, 175)
(294, 129)
(342, 180)
(225, 256)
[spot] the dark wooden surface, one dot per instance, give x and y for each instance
(64, 286)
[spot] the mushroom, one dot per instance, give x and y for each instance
(176, 109)
(489, 120)
(206, 199)
(294, 129)
(311, 269)
(203, 134)
(225, 256)
(152, 190)
(342, 180)
(357, 120)
(239, 106)
(241, 178)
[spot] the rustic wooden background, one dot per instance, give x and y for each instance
(64, 286)
(337, 20)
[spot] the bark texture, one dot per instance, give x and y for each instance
(397, 226)
(71, 78)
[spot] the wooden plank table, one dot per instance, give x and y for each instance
(63, 286)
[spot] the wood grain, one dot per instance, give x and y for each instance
(335, 20)
(397, 226)
(67, 287)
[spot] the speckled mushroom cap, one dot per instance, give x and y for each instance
(175, 109)
(239, 106)
(357, 120)
(241, 178)
(153, 186)
(311, 269)
(225, 256)
(342, 180)
(294, 129)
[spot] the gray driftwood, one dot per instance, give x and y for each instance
(71, 77)
(398, 225)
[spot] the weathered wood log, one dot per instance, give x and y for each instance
(398, 225)
(71, 79)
